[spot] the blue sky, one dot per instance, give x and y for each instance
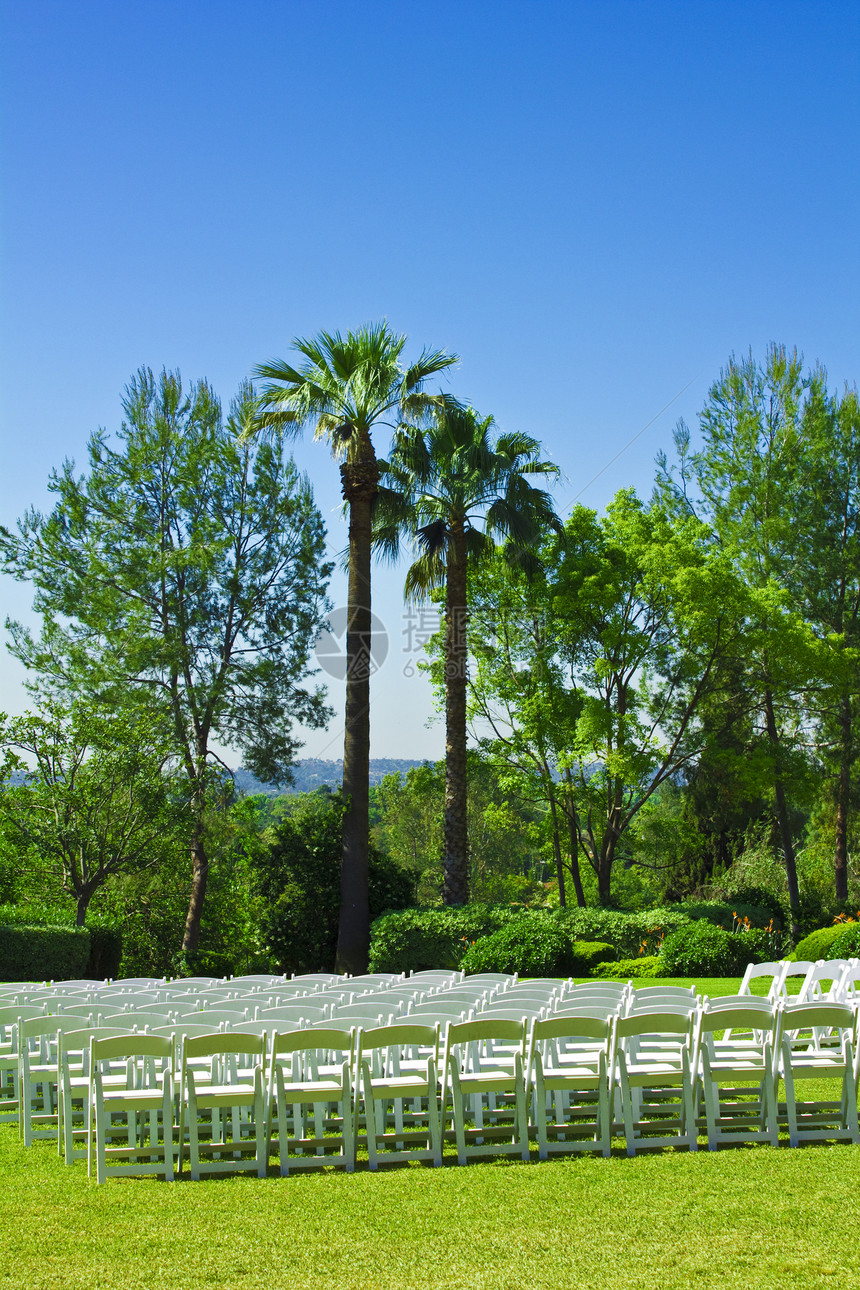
(593, 204)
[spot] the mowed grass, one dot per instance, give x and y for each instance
(749, 1216)
(746, 1216)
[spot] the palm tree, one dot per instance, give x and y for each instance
(455, 492)
(344, 386)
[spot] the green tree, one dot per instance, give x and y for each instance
(600, 700)
(747, 481)
(297, 874)
(344, 387)
(182, 576)
(504, 855)
(455, 492)
(94, 796)
(824, 578)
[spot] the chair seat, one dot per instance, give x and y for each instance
(401, 1085)
(321, 1090)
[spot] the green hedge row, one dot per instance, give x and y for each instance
(41, 950)
(43, 953)
(570, 942)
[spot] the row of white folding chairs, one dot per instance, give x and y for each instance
(835, 979)
(489, 1068)
(634, 1061)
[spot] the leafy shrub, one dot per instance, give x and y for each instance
(105, 951)
(846, 946)
(298, 875)
(413, 940)
(815, 946)
(589, 955)
(647, 965)
(761, 898)
(529, 946)
(727, 913)
(705, 950)
(43, 953)
(105, 936)
(626, 931)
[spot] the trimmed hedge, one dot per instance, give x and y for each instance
(413, 940)
(105, 937)
(590, 955)
(528, 946)
(846, 946)
(44, 953)
(647, 965)
(816, 945)
(704, 950)
(626, 931)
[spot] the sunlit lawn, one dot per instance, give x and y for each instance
(746, 1216)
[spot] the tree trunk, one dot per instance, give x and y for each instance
(82, 902)
(843, 796)
(782, 819)
(570, 811)
(199, 882)
(455, 861)
(556, 845)
(360, 481)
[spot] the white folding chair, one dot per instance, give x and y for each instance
(310, 1093)
(144, 1099)
(803, 1058)
(474, 1071)
(228, 1087)
(656, 1078)
(396, 1064)
(578, 1089)
(738, 1075)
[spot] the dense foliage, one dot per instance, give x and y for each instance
(298, 877)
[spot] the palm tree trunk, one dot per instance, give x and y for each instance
(455, 862)
(360, 481)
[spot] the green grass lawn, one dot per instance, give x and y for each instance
(747, 1216)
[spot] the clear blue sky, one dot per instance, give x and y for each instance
(594, 204)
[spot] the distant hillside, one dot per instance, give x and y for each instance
(313, 772)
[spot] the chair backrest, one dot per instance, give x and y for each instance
(574, 1028)
(439, 1006)
(600, 1009)
(316, 1039)
(229, 1043)
(144, 981)
(399, 1035)
(743, 1014)
(823, 979)
(436, 976)
(12, 1014)
(824, 1016)
(128, 1047)
(319, 978)
(78, 1041)
(755, 970)
(657, 1021)
(665, 992)
(293, 1014)
(790, 970)
(213, 1016)
(758, 1001)
(189, 982)
(262, 978)
(513, 1011)
(491, 978)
